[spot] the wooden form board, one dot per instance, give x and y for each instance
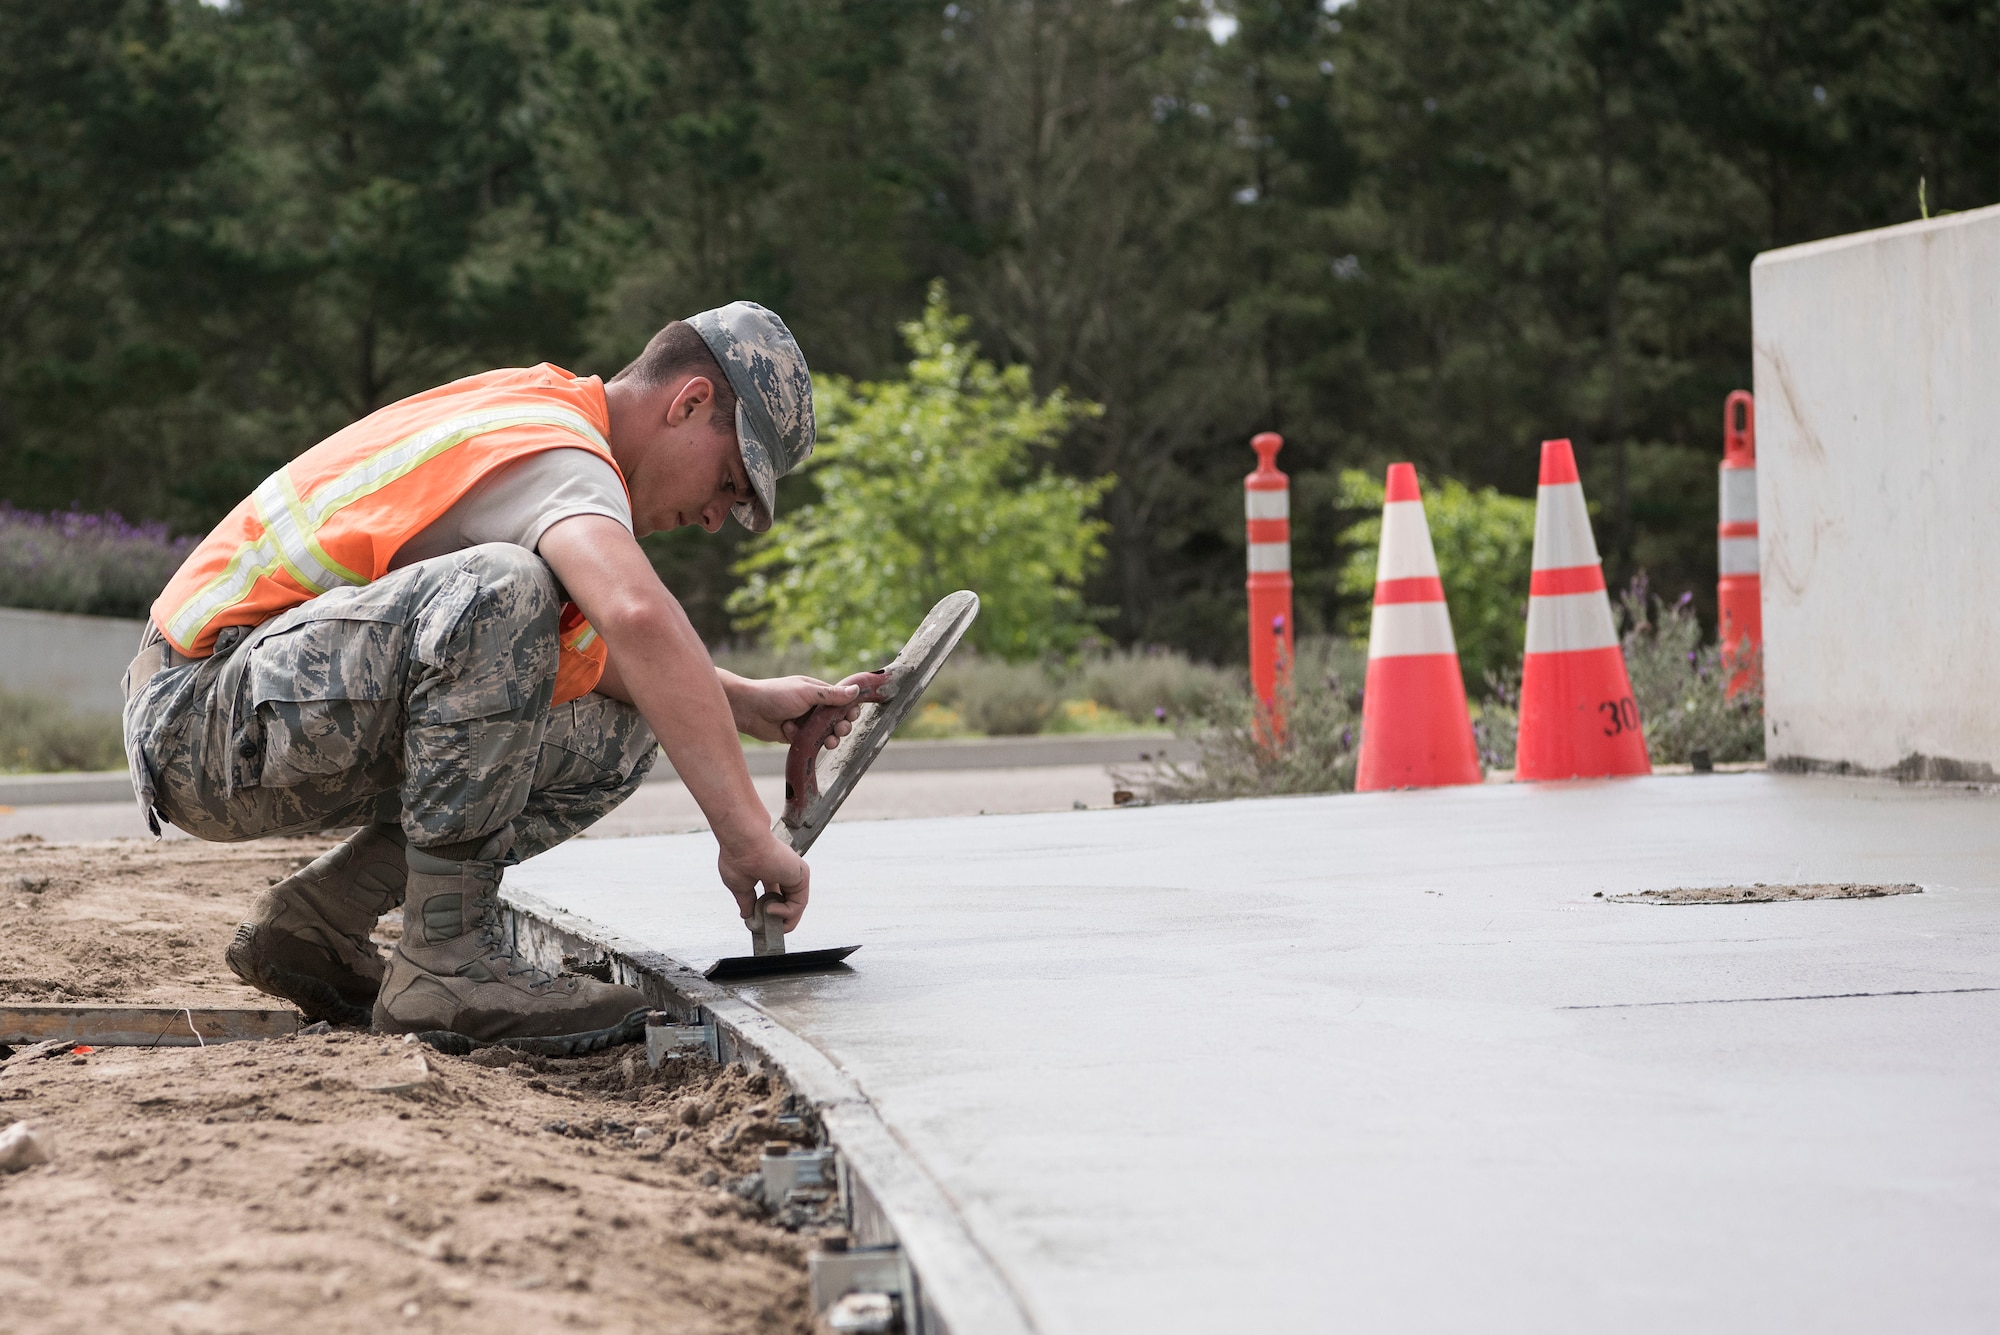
(141, 1026)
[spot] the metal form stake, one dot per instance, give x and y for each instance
(785, 1170)
(839, 1273)
(668, 1038)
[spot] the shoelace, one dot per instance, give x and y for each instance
(489, 936)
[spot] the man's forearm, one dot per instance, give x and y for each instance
(662, 668)
(659, 664)
(737, 691)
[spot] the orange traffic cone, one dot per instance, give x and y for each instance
(1414, 729)
(1578, 717)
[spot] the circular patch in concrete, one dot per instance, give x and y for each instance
(1765, 894)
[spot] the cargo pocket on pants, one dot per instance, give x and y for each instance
(326, 695)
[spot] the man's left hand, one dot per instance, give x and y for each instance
(770, 710)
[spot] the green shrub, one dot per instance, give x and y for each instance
(1153, 685)
(933, 722)
(936, 482)
(996, 698)
(1681, 685)
(1321, 704)
(39, 735)
(1087, 716)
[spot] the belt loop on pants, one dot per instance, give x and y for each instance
(155, 656)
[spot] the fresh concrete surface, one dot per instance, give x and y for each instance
(664, 807)
(78, 660)
(1384, 1063)
(1877, 362)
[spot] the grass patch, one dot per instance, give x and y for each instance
(39, 736)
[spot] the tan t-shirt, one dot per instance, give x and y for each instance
(519, 503)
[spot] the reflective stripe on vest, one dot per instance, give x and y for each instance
(583, 655)
(292, 523)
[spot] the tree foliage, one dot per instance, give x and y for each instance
(1388, 229)
(926, 485)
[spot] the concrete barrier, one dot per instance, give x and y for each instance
(75, 659)
(1878, 442)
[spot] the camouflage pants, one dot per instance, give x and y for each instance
(422, 698)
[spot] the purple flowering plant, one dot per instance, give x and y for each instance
(74, 561)
(1681, 682)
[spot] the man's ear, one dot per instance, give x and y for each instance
(692, 397)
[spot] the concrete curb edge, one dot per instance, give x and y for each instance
(960, 1288)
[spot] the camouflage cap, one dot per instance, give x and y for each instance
(774, 398)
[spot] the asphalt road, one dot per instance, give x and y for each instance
(666, 807)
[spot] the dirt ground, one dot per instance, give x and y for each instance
(344, 1182)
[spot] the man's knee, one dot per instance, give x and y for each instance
(596, 742)
(594, 755)
(516, 583)
(493, 621)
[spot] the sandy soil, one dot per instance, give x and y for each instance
(130, 919)
(345, 1182)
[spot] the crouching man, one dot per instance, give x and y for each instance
(437, 625)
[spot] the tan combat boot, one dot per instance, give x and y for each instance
(308, 938)
(452, 980)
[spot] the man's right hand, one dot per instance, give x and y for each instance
(786, 878)
(657, 663)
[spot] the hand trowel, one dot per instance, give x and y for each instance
(887, 698)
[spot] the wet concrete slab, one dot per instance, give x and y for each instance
(1389, 1063)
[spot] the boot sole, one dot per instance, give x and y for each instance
(628, 1030)
(315, 997)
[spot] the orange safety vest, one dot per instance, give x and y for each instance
(338, 514)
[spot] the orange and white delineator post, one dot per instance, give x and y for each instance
(1578, 717)
(1267, 515)
(1415, 731)
(1739, 593)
